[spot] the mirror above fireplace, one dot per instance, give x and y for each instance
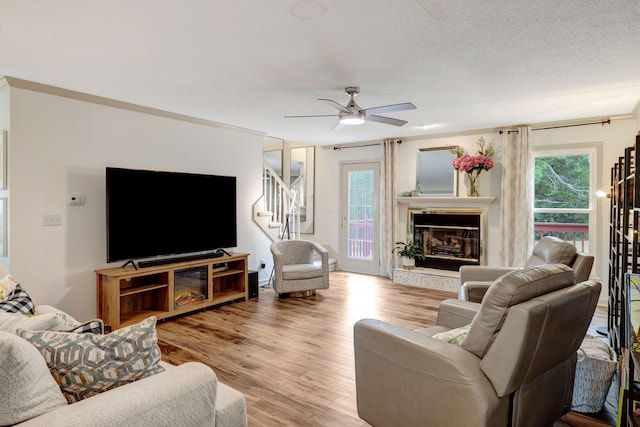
(435, 175)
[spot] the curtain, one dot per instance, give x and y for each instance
(387, 205)
(516, 211)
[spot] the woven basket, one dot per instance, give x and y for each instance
(594, 372)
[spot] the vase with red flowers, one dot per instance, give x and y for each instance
(474, 164)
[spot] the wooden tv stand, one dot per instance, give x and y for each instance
(127, 296)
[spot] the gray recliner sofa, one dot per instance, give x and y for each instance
(516, 365)
(475, 279)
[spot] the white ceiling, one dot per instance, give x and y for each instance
(465, 64)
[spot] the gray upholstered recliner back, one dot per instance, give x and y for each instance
(527, 337)
(552, 250)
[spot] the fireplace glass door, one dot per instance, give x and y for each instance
(190, 286)
(449, 240)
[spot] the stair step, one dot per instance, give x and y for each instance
(275, 225)
(265, 213)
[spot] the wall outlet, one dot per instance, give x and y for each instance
(51, 220)
(262, 264)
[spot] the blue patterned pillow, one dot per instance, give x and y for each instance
(84, 365)
(18, 301)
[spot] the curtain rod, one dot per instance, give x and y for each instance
(335, 147)
(602, 123)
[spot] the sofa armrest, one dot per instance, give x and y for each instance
(183, 395)
(473, 290)
(404, 377)
(453, 313)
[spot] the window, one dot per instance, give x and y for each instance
(564, 196)
(360, 218)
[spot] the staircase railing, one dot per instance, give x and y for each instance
(281, 203)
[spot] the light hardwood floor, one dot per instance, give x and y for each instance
(293, 358)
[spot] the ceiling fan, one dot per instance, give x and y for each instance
(353, 114)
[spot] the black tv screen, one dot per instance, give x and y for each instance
(155, 213)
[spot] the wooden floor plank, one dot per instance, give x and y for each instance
(293, 358)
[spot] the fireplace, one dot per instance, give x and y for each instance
(450, 238)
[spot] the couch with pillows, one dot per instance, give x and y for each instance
(57, 371)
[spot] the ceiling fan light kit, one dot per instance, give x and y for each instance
(352, 119)
(353, 114)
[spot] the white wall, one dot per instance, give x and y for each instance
(328, 192)
(60, 146)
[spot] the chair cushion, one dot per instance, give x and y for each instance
(301, 271)
(511, 289)
(551, 250)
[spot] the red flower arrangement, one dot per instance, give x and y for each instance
(474, 164)
(480, 161)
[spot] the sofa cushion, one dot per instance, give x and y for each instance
(18, 301)
(27, 390)
(87, 364)
(511, 289)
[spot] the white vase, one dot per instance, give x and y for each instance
(408, 263)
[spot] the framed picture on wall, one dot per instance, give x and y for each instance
(3, 160)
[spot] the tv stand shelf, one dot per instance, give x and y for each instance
(127, 296)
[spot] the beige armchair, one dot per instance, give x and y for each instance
(475, 279)
(295, 273)
(515, 367)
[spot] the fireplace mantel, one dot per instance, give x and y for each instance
(444, 201)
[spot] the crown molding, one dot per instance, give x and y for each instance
(14, 82)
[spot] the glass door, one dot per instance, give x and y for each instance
(360, 218)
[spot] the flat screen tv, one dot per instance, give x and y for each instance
(156, 213)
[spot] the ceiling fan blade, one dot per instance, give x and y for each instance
(335, 105)
(317, 115)
(386, 120)
(389, 108)
(338, 126)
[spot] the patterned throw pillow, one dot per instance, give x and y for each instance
(86, 364)
(11, 322)
(453, 336)
(7, 285)
(95, 326)
(18, 301)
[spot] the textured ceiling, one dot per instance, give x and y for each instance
(465, 64)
